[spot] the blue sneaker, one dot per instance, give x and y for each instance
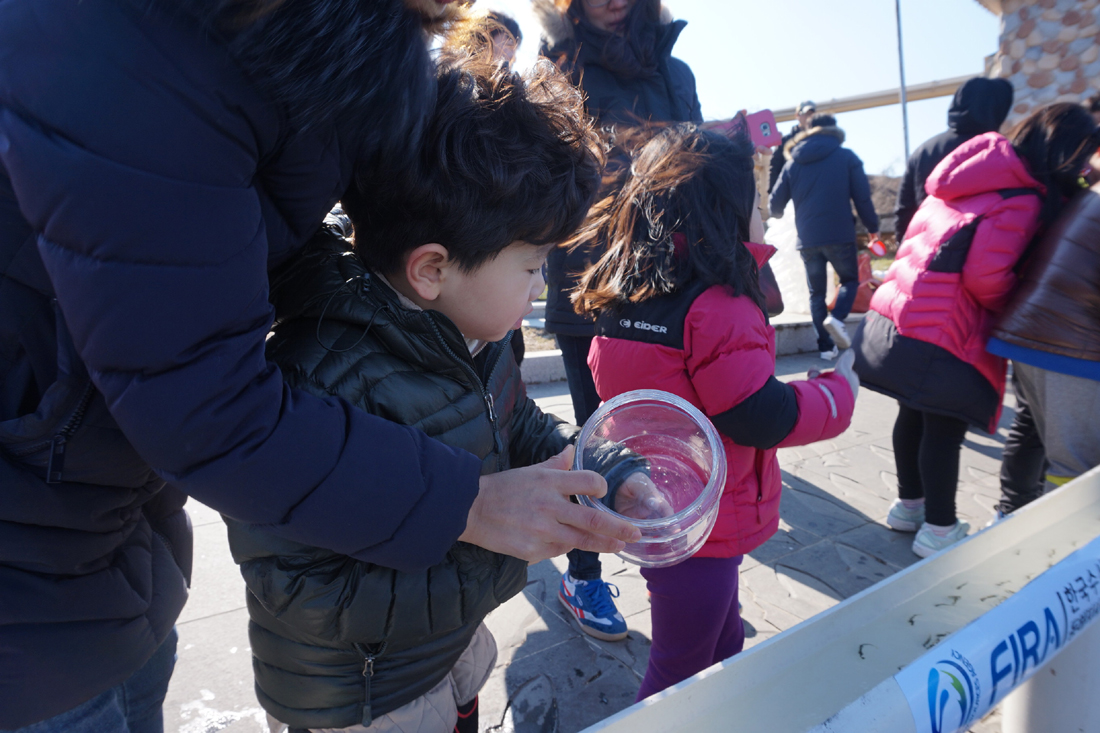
(590, 603)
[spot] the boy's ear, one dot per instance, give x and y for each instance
(426, 268)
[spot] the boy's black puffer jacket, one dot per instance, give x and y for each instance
(316, 615)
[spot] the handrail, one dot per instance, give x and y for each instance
(913, 92)
(841, 664)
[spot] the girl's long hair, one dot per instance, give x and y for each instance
(1055, 142)
(679, 215)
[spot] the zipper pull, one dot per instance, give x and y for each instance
(368, 672)
(57, 459)
(498, 444)
(492, 409)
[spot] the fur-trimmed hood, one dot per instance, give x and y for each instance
(557, 28)
(363, 64)
(819, 142)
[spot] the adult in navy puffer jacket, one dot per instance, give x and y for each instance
(155, 161)
(924, 341)
(824, 179)
(146, 185)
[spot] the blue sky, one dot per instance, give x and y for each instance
(774, 53)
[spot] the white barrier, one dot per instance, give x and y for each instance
(928, 649)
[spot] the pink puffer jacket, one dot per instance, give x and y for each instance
(727, 355)
(956, 309)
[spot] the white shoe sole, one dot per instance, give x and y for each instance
(922, 551)
(840, 337)
(901, 525)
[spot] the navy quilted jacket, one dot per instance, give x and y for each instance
(152, 170)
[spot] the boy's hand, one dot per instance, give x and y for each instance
(639, 498)
(526, 513)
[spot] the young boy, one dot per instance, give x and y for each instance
(413, 326)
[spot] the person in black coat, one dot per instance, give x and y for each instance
(619, 52)
(980, 105)
(157, 159)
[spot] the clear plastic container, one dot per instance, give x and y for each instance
(686, 461)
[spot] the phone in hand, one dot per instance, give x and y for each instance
(763, 129)
(760, 127)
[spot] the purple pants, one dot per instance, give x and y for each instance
(695, 619)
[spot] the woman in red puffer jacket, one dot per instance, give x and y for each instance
(924, 341)
(678, 308)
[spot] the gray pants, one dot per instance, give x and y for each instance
(1067, 414)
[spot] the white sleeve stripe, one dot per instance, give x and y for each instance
(828, 396)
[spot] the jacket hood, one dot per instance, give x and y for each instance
(982, 164)
(980, 105)
(558, 28)
(814, 144)
(571, 42)
(363, 64)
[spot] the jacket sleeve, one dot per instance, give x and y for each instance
(907, 199)
(159, 264)
(825, 407)
(536, 435)
(775, 166)
(781, 193)
(696, 113)
(861, 194)
(733, 372)
(999, 241)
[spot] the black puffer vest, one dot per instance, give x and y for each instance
(337, 642)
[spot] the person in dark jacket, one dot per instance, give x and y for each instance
(824, 179)
(156, 159)
(619, 52)
(1051, 331)
(415, 326)
(980, 105)
(804, 112)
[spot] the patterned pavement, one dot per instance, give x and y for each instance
(550, 677)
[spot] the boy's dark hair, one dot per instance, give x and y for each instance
(1092, 104)
(505, 158)
(679, 215)
(1055, 142)
(822, 120)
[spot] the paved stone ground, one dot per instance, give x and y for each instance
(831, 544)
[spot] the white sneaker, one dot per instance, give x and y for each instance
(928, 543)
(904, 519)
(831, 354)
(838, 331)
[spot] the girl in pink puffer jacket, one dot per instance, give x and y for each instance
(924, 340)
(678, 307)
